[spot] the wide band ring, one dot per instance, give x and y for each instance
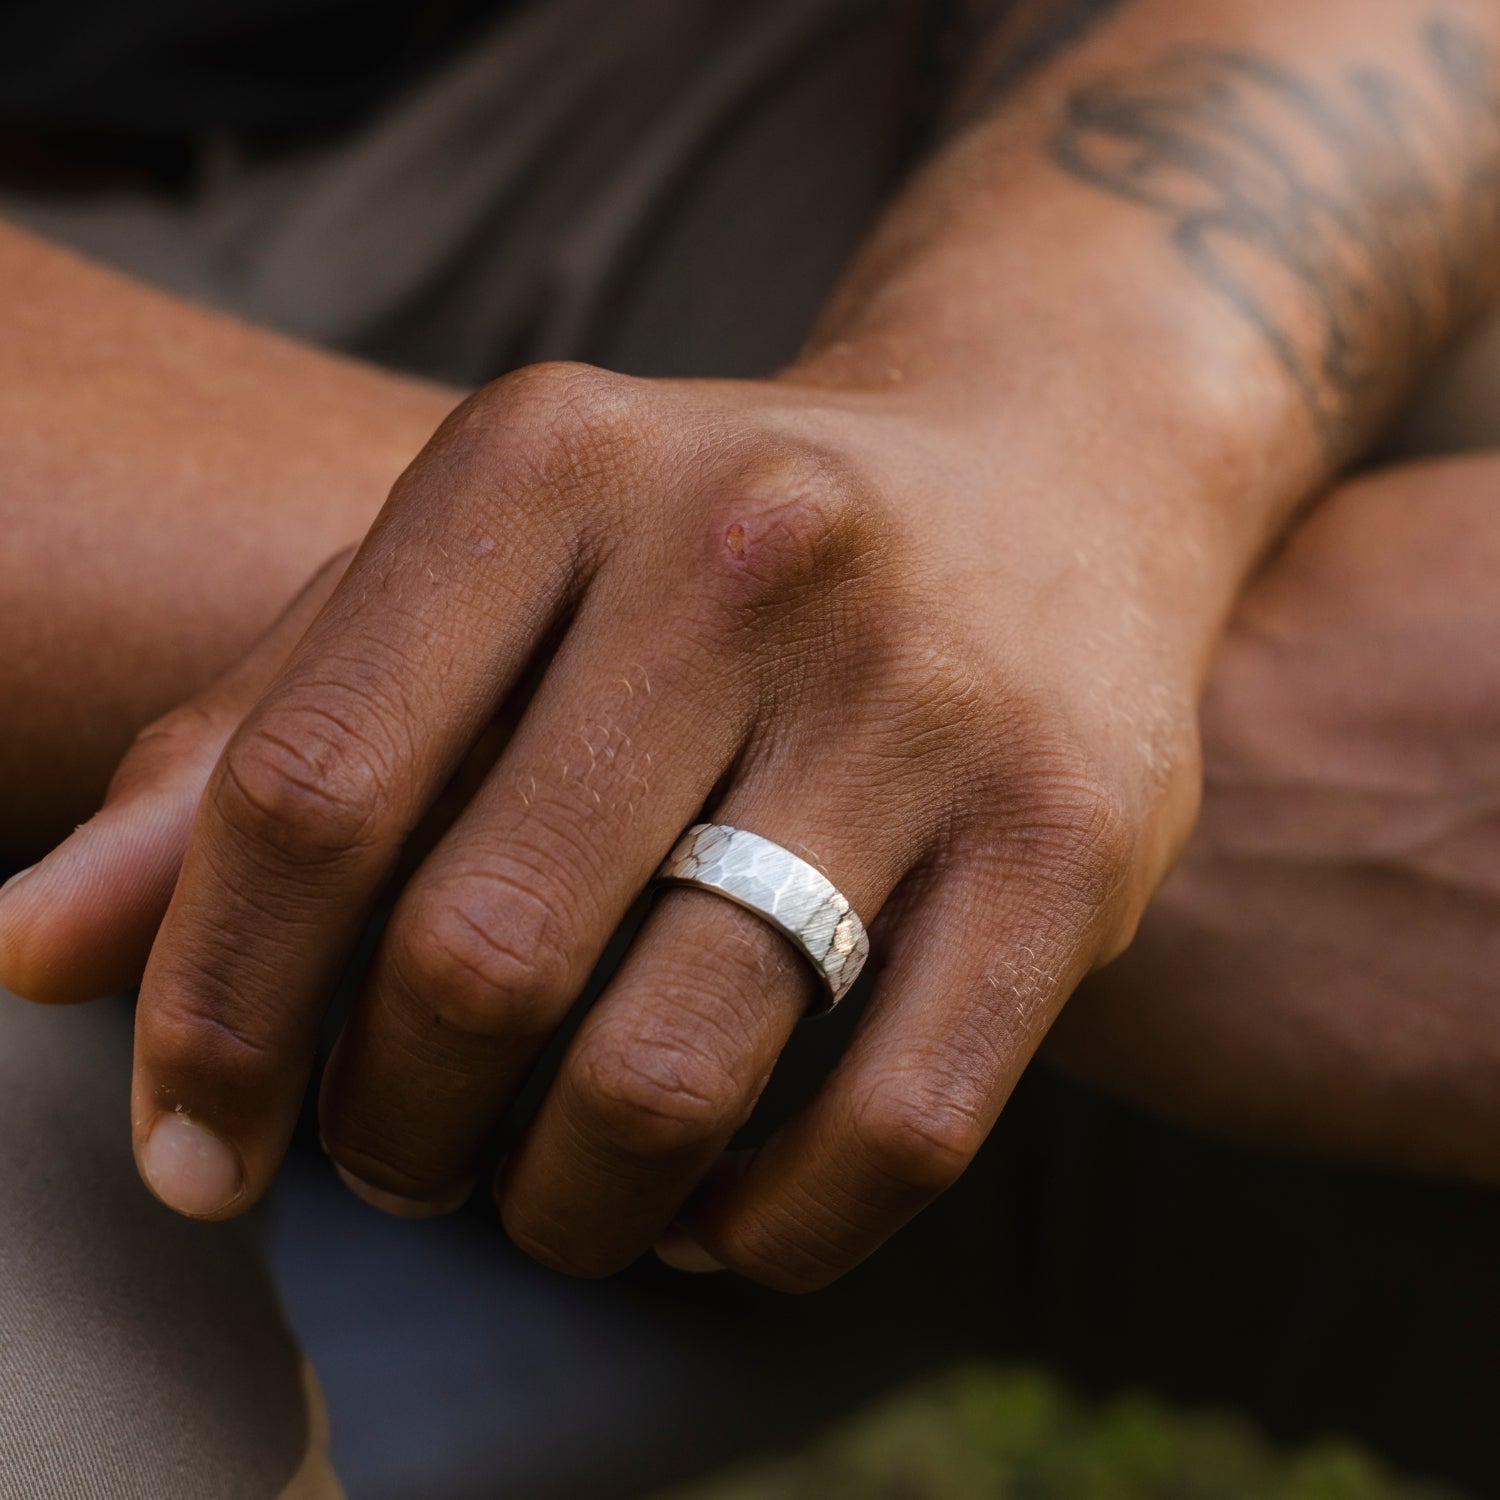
(780, 888)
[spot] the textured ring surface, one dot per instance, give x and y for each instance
(780, 888)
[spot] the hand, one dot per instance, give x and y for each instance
(935, 659)
(1319, 972)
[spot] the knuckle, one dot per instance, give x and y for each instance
(1073, 828)
(548, 442)
(913, 1137)
(183, 730)
(792, 518)
(301, 785)
(650, 1097)
(186, 739)
(562, 391)
(564, 414)
(1091, 830)
(210, 1039)
(481, 967)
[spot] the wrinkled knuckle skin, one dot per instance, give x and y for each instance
(791, 520)
(915, 1140)
(564, 394)
(1090, 819)
(650, 1099)
(178, 734)
(302, 788)
(562, 415)
(557, 446)
(1087, 843)
(1065, 819)
(455, 953)
(182, 741)
(211, 1040)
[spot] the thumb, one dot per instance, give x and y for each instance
(79, 924)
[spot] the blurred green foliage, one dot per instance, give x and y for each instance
(1009, 1434)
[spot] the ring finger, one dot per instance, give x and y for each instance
(673, 1057)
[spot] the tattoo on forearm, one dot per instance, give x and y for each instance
(1353, 226)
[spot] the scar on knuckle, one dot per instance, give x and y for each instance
(791, 518)
(653, 1099)
(483, 968)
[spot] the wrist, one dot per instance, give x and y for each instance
(1143, 454)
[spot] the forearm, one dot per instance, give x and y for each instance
(1201, 250)
(168, 478)
(1318, 973)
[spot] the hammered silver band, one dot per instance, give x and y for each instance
(780, 888)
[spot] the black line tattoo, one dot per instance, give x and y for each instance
(1352, 226)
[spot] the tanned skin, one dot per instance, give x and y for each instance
(935, 606)
(1376, 201)
(168, 479)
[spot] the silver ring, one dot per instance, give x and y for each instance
(794, 897)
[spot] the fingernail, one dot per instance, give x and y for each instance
(189, 1168)
(16, 879)
(405, 1208)
(683, 1253)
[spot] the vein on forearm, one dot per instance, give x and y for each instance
(1353, 224)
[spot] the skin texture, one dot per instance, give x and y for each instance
(1318, 974)
(934, 608)
(1219, 140)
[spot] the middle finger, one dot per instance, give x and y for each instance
(308, 808)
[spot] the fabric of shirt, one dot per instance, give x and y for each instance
(154, 68)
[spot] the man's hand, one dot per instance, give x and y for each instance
(800, 609)
(932, 609)
(1319, 973)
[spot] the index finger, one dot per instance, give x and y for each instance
(310, 803)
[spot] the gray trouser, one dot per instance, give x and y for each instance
(662, 186)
